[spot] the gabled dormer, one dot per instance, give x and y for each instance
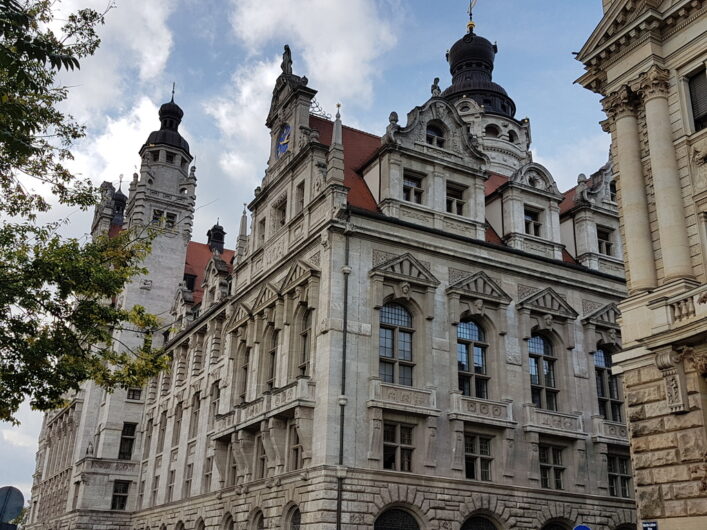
(589, 221)
(430, 171)
(525, 211)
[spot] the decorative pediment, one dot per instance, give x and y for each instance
(536, 176)
(298, 273)
(267, 295)
(548, 302)
(443, 115)
(480, 286)
(406, 268)
(240, 314)
(606, 316)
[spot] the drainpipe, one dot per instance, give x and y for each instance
(346, 270)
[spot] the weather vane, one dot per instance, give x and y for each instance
(470, 25)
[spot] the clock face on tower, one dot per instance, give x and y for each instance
(283, 140)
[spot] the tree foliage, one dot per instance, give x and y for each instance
(58, 311)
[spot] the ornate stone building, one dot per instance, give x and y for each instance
(648, 59)
(416, 332)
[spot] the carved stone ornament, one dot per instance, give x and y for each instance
(670, 364)
(698, 359)
(620, 103)
(698, 161)
(654, 83)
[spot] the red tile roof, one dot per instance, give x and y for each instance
(198, 256)
(568, 202)
(493, 183)
(359, 147)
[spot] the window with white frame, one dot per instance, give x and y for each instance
(543, 384)
(471, 360)
(533, 226)
(398, 446)
(395, 345)
(605, 241)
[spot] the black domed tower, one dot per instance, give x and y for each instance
(171, 116)
(471, 61)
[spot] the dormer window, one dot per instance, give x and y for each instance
(532, 222)
(612, 191)
(435, 135)
(455, 198)
(412, 188)
(605, 244)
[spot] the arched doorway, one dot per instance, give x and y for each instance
(396, 519)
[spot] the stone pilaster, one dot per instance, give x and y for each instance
(620, 106)
(653, 87)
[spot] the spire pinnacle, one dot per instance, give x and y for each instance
(337, 138)
(173, 85)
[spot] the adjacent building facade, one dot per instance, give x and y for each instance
(417, 332)
(648, 59)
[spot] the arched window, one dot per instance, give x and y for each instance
(542, 373)
(200, 525)
(492, 131)
(478, 523)
(471, 360)
(177, 426)
(396, 519)
(608, 387)
(294, 518)
(180, 526)
(435, 135)
(512, 137)
(305, 343)
(228, 523)
(258, 521)
(395, 345)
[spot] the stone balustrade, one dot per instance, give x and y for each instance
(403, 398)
(568, 425)
(610, 432)
(297, 394)
(106, 465)
(685, 308)
(483, 411)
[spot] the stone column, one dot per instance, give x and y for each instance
(634, 204)
(653, 86)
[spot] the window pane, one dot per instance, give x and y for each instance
(465, 385)
(549, 369)
(485, 469)
(389, 457)
(470, 466)
(389, 433)
(536, 394)
(405, 346)
(406, 435)
(600, 358)
(479, 360)
(545, 477)
(600, 383)
(482, 388)
(551, 398)
(396, 315)
(405, 375)
(469, 444)
(463, 357)
(405, 459)
(385, 343)
(469, 331)
(386, 371)
(557, 456)
(544, 455)
(616, 412)
(485, 446)
(534, 377)
(558, 479)
(613, 387)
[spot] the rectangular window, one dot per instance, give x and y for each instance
(698, 99)
(140, 494)
(231, 469)
(77, 489)
(195, 410)
(532, 222)
(280, 213)
(161, 432)
(157, 216)
(127, 441)
(295, 456)
(215, 400)
(261, 232)
(619, 476)
(551, 467)
(397, 446)
(299, 197)
(412, 188)
(208, 464)
(477, 457)
(455, 198)
(170, 485)
(177, 428)
(120, 495)
(608, 388)
(134, 394)
(188, 475)
(604, 238)
(155, 489)
(170, 220)
(261, 459)
(148, 440)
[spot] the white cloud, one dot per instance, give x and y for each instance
(135, 45)
(586, 155)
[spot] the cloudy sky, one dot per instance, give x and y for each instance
(373, 56)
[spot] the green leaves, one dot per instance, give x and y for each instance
(61, 322)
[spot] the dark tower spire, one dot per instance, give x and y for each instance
(471, 61)
(216, 238)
